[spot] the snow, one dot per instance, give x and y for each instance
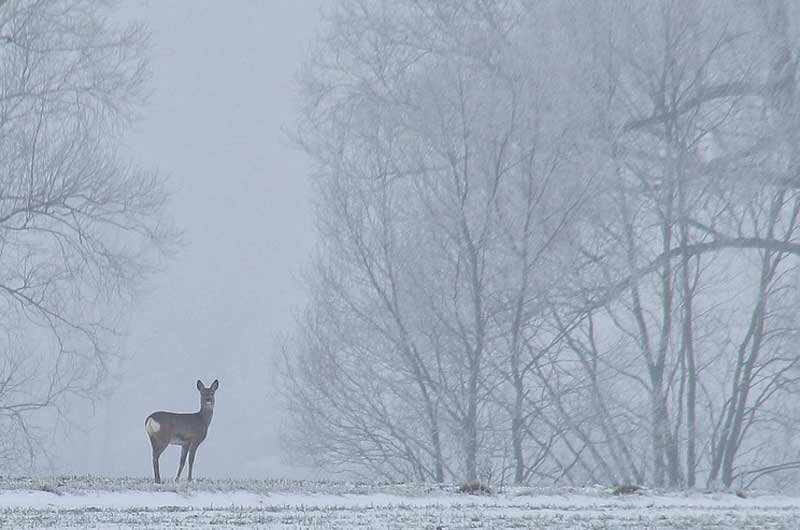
(208, 505)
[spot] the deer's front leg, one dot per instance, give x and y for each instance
(192, 451)
(184, 452)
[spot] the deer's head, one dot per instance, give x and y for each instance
(207, 394)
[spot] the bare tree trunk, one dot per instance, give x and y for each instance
(748, 355)
(743, 382)
(474, 356)
(517, 413)
(687, 346)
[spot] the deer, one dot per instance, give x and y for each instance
(185, 429)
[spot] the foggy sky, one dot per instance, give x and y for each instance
(222, 88)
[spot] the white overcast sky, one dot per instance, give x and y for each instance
(222, 88)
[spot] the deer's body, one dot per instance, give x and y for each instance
(185, 429)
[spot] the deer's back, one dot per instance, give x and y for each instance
(176, 428)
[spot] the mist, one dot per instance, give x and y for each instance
(222, 89)
(473, 244)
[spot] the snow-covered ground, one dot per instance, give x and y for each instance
(126, 503)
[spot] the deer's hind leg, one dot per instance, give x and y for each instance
(158, 448)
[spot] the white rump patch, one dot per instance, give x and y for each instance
(152, 426)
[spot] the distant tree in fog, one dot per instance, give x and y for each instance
(446, 176)
(700, 226)
(558, 242)
(79, 226)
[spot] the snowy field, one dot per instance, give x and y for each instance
(115, 504)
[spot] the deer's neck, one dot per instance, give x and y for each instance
(206, 414)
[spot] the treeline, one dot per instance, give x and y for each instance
(558, 243)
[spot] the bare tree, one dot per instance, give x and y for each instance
(680, 111)
(564, 254)
(79, 226)
(424, 149)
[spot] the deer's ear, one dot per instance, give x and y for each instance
(215, 385)
(200, 385)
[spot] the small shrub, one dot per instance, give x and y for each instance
(475, 488)
(49, 488)
(627, 489)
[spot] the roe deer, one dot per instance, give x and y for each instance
(187, 430)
